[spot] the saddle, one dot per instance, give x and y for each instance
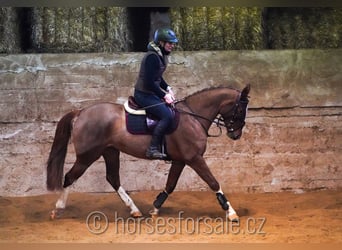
(140, 122)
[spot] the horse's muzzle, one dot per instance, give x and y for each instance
(234, 135)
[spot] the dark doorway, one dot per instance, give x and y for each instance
(25, 28)
(139, 21)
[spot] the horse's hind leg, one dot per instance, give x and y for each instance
(112, 159)
(60, 204)
(79, 167)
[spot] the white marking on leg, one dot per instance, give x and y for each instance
(61, 202)
(230, 213)
(219, 191)
(231, 210)
(127, 200)
(154, 212)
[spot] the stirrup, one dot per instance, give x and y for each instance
(154, 153)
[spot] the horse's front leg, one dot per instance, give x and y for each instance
(172, 179)
(202, 169)
(225, 204)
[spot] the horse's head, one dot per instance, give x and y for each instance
(234, 119)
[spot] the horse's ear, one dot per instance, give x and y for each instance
(245, 92)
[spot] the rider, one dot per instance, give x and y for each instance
(152, 91)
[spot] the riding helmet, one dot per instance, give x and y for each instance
(165, 35)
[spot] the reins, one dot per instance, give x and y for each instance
(153, 105)
(219, 121)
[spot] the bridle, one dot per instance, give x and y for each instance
(235, 117)
(220, 120)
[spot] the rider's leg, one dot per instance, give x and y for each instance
(165, 117)
(155, 106)
(153, 150)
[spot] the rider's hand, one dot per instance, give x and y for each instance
(169, 89)
(169, 98)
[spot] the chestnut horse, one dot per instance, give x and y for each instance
(100, 130)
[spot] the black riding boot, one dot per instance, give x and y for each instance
(153, 151)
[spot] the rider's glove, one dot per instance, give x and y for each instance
(169, 90)
(169, 98)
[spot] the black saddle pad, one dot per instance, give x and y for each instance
(136, 124)
(141, 125)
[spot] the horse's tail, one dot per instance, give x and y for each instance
(58, 152)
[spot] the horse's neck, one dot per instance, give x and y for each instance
(208, 103)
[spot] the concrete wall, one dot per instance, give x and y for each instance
(292, 140)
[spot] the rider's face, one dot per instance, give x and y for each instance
(168, 46)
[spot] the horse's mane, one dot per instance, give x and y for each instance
(209, 89)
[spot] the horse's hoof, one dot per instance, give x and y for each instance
(154, 212)
(234, 218)
(136, 214)
(56, 213)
